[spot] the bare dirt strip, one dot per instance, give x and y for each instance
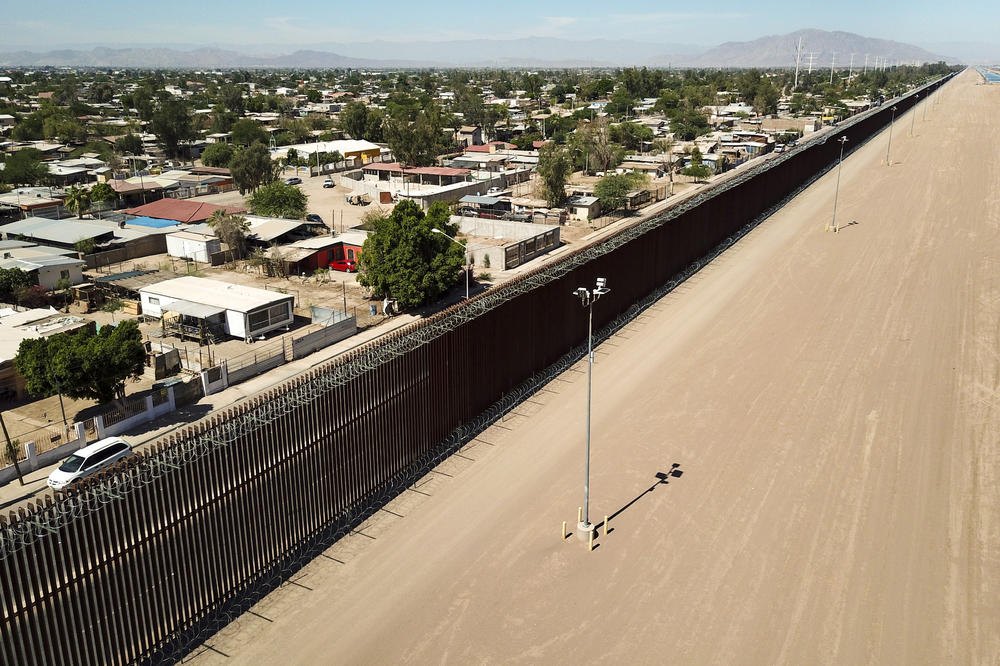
(832, 401)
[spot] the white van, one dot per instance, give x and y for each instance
(89, 460)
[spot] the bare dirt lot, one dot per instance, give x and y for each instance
(832, 403)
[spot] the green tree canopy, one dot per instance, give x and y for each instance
(12, 281)
(554, 167)
(698, 168)
(278, 200)
(354, 119)
(252, 167)
(613, 189)
(172, 124)
(403, 259)
(217, 155)
(24, 168)
(101, 192)
(77, 200)
(231, 230)
(82, 364)
(245, 132)
(130, 144)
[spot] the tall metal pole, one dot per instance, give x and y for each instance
(833, 224)
(888, 145)
(590, 370)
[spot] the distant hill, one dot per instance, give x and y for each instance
(773, 51)
(779, 51)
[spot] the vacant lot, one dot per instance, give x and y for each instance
(832, 401)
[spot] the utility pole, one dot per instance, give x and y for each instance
(833, 60)
(798, 56)
(11, 450)
(812, 56)
(850, 69)
(866, 63)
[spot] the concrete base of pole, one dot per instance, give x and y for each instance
(584, 530)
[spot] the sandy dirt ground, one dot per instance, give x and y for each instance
(831, 401)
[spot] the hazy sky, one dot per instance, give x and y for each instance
(249, 24)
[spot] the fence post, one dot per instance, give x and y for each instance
(81, 433)
(99, 425)
(31, 455)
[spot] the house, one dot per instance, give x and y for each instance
(354, 150)
(63, 234)
(304, 257)
(218, 307)
(420, 175)
(48, 271)
(469, 136)
(181, 210)
(583, 207)
(189, 245)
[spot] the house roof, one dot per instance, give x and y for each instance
(316, 243)
(482, 201)
(236, 297)
(426, 171)
(267, 229)
(55, 231)
(181, 210)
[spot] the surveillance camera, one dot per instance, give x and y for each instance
(601, 282)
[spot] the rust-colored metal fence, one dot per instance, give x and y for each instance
(151, 557)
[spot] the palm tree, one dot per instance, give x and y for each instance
(77, 200)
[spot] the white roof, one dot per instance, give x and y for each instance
(234, 297)
(342, 146)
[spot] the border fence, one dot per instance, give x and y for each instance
(149, 558)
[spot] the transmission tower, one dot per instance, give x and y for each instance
(798, 56)
(812, 56)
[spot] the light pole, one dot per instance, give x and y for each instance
(587, 298)
(914, 114)
(438, 231)
(833, 224)
(888, 145)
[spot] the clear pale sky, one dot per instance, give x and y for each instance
(52, 24)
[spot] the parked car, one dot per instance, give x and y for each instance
(313, 217)
(345, 265)
(328, 182)
(294, 180)
(89, 460)
(494, 190)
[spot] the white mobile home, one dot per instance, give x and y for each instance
(242, 312)
(188, 245)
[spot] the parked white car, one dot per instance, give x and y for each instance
(89, 460)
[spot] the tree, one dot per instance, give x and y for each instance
(245, 132)
(698, 170)
(314, 96)
(102, 192)
(613, 189)
(404, 260)
(278, 200)
(83, 364)
(554, 167)
(77, 200)
(252, 167)
(231, 230)
(217, 155)
(130, 144)
(354, 119)
(24, 168)
(172, 124)
(12, 280)
(596, 140)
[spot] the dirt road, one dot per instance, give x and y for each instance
(832, 401)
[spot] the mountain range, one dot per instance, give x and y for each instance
(821, 47)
